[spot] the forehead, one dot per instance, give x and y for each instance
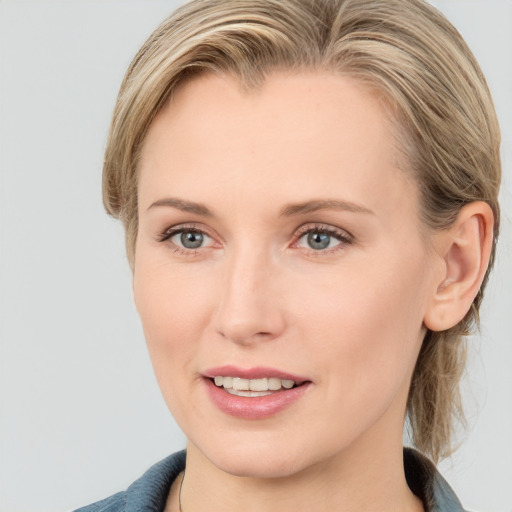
(314, 132)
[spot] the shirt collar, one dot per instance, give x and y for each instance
(427, 483)
(149, 493)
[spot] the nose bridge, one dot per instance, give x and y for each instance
(248, 309)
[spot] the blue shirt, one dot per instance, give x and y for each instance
(149, 493)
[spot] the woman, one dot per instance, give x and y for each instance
(309, 192)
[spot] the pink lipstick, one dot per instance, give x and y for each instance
(254, 393)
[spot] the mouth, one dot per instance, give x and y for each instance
(253, 388)
(255, 393)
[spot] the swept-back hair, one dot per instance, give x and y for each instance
(407, 53)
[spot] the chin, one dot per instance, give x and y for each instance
(259, 466)
(257, 460)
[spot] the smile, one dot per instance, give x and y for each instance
(254, 393)
(253, 387)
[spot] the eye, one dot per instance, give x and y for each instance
(186, 238)
(323, 238)
(189, 239)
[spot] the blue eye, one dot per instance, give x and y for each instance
(190, 239)
(322, 238)
(186, 238)
(318, 241)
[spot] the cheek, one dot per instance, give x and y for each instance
(173, 307)
(369, 326)
(365, 341)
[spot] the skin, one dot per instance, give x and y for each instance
(350, 318)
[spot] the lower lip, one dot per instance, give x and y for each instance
(254, 408)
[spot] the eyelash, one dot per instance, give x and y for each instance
(166, 236)
(344, 238)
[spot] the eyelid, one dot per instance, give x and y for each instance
(166, 235)
(320, 226)
(345, 238)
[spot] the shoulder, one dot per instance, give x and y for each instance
(146, 494)
(427, 483)
(115, 503)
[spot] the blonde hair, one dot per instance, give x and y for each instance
(405, 50)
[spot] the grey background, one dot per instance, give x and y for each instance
(80, 412)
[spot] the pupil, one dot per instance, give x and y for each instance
(191, 239)
(318, 240)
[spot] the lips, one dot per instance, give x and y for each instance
(254, 393)
(253, 373)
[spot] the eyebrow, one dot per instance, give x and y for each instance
(289, 210)
(183, 205)
(322, 204)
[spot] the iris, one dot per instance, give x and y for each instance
(191, 239)
(318, 241)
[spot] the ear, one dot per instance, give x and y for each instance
(464, 249)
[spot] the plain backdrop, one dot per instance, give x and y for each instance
(80, 413)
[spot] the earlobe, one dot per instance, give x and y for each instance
(465, 249)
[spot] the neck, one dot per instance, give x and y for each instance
(371, 481)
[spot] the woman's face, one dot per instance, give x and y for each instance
(279, 244)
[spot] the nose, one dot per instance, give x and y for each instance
(250, 308)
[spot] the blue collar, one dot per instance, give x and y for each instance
(149, 493)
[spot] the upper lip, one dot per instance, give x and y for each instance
(258, 372)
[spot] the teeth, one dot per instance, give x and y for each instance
(274, 384)
(287, 384)
(250, 394)
(240, 384)
(256, 385)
